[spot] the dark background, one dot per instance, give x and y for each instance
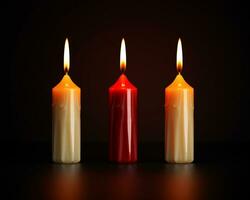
(215, 47)
(215, 40)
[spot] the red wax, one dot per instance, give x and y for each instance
(123, 121)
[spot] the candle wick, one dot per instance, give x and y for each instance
(66, 71)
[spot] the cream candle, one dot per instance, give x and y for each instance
(66, 117)
(179, 118)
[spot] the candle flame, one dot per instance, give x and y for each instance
(179, 56)
(66, 56)
(123, 56)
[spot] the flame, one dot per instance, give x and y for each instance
(179, 56)
(123, 56)
(66, 56)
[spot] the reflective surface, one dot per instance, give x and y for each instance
(210, 177)
(97, 181)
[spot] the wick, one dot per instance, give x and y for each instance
(66, 71)
(123, 71)
(179, 70)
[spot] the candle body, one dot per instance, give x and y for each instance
(66, 122)
(179, 122)
(123, 121)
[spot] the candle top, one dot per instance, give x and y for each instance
(122, 83)
(66, 83)
(179, 82)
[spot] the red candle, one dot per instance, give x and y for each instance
(123, 117)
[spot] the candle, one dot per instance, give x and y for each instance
(66, 117)
(123, 117)
(179, 118)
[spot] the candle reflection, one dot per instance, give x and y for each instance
(118, 182)
(64, 183)
(184, 182)
(123, 183)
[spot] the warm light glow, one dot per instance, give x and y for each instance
(179, 56)
(66, 56)
(123, 56)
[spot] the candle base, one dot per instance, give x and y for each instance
(180, 161)
(123, 162)
(66, 162)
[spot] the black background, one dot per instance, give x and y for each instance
(215, 48)
(215, 40)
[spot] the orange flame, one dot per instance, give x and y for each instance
(179, 56)
(123, 56)
(66, 56)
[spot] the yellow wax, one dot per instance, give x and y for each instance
(66, 105)
(179, 122)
